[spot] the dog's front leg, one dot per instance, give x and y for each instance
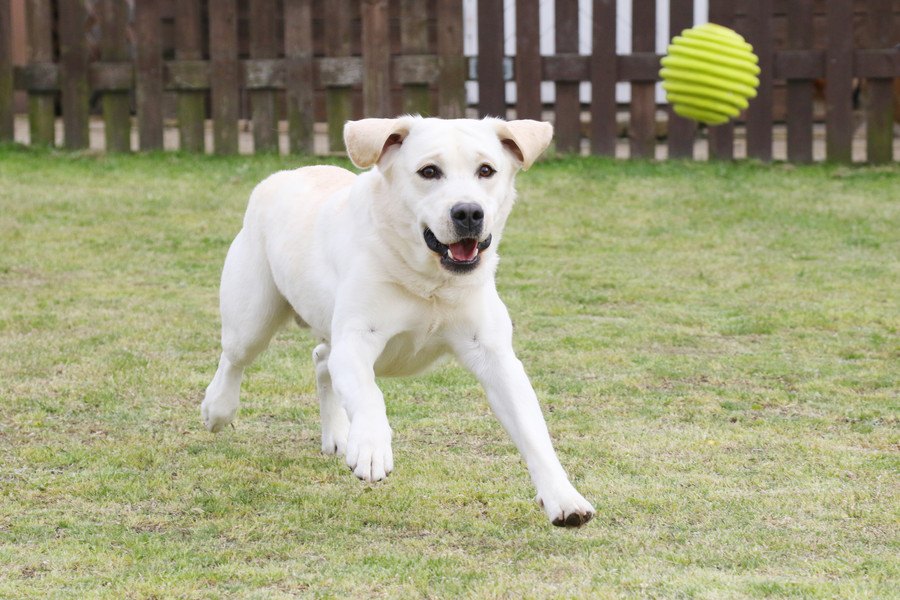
(487, 351)
(351, 365)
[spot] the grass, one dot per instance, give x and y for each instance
(715, 347)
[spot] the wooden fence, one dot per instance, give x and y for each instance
(311, 60)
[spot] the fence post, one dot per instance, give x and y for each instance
(642, 123)
(262, 101)
(191, 103)
(298, 74)
(568, 104)
(880, 101)
(7, 132)
(491, 85)
(800, 91)
(376, 56)
(680, 131)
(414, 41)
(114, 48)
(41, 115)
(759, 113)
(452, 78)
(839, 81)
(604, 128)
(73, 74)
(148, 85)
(721, 137)
(338, 101)
(224, 75)
(528, 59)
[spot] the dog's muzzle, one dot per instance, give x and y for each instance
(461, 256)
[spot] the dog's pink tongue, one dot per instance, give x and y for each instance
(464, 250)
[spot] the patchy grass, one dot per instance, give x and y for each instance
(715, 347)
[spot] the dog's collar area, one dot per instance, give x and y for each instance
(461, 256)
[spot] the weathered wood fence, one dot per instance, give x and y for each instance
(306, 61)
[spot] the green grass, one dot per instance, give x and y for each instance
(715, 347)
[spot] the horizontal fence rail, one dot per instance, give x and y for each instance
(283, 61)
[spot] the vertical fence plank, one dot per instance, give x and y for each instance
(680, 135)
(148, 75)
(839, 82)
(114, 48)
(413, 41)
(73, 74)
(452, 79)
(298, 52)
(721, 137)
(41, 110)
(800, 91)
(568, 105)
(224, 74)
(642, 125)
(191, 103)
(338, 100)
(6, 73)
(759, 113)
(880, 102)
(491, 86)
(528, 60)
(262, 102)
(603, 79)
(376, 58)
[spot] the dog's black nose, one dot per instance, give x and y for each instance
(468, 218)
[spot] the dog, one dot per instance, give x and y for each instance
(391, 269)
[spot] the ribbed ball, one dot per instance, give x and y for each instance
(709, 73)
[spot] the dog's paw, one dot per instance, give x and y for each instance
(334, 438)
(565, 507)
(216, 415)
(369, 453)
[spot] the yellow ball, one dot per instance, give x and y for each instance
(709, 73)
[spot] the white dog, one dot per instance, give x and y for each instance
(391, 269)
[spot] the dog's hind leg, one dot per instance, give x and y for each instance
(252, 311)
(335, 423)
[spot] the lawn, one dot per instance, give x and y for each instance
(715, 347)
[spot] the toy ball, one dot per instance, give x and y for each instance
(709, 73)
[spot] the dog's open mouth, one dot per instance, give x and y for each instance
(460, 256)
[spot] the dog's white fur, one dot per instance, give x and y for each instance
(345, 255)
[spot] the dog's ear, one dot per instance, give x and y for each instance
(368, 140)
(526, 139)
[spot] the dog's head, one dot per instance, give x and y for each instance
(447, 184)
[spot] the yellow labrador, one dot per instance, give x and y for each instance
(391, 269)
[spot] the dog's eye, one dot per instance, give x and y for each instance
(485, 171)
(430, 172)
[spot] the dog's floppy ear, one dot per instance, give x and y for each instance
(525, 138)
(367, 140)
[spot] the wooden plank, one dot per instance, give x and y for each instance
(759, 113)
(491, 86)
(191, 106)
(114, 47)
(420, 69)
(567, 112)
(452, 78)
(6, 73)
(149, 74)
(528, 60)
(262, 101)
(338, 106)
(298, 74)
(225, 91)
(839, 86)
(880, 101)
(603, 76)
(721, 137)
(882, 63)
(414, 41)
(376, 76)
(642, 128)
(680, 135)
(41, 115)
(798, 63)
(339, 71)
(800, 89)
(187, 75)
(111, 76)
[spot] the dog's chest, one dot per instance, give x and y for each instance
(414, 350)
